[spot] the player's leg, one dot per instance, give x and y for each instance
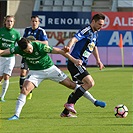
(30, 83)
(5, 86)
(9, 64)
(81, 74)
(23, 73)
(27, 87)
(57, 75)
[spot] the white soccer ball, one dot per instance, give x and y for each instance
(121, 111)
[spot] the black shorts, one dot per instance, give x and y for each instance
(77, 72)
(24, 64)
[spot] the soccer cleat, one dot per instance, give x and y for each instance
(29, 97)
(14, 117)
(2, 100)
(68, 115)
(99, 103)
(70, 107)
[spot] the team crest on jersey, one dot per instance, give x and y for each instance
(36, 53)
(46, 48)
(12, 50)
(13, 36)
(91, 46)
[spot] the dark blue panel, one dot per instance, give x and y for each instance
(111, 38)
(63, 20)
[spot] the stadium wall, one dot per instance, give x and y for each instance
(22, 9)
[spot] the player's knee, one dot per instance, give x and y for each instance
(24, 91)
(90, 84)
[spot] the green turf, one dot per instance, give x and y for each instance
(41, 114)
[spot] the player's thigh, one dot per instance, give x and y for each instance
(68, 83)
(23, 72)
(35, 77)
(9, 65)
(88, 82)
(56, 74)
(77, 72)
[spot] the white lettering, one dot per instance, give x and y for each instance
(130, 21)
(117, 21)
(122, 22)
(69, 21)
(56, 21)
(77, 21)
(114, 38)
(127, 38)
(63, 21)
(50, 21)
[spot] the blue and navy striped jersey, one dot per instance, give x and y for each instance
(38, 33)
(87, 40)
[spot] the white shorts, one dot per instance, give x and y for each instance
(52, 73)
(6, 65)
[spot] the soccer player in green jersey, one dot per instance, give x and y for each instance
(41, 67)
(8, 38)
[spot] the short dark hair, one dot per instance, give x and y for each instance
(98, 16)
(23, 43)
(35, 16)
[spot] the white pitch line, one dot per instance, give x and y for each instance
(13, 82)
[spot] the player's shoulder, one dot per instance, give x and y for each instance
(42, 30)
(28, 28)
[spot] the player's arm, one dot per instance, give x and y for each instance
(5, 52)
(98, 61)
(70, 44)
(67, 55)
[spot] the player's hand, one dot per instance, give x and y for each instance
(66, 49)
(78, 62)
(100, 65)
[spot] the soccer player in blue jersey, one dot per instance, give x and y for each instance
(33, 33)
(85, 41)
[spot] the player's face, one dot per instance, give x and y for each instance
(9, 23)
(35, 23)
(29, 49)
(97, 25)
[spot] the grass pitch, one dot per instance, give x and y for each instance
(41, 114)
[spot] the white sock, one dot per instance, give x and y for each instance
(4, 88)
(87, 95)
(20, 103)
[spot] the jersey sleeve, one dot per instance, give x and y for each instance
(13, 50)
(47, 49)
(81, 34)
(43, 36)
